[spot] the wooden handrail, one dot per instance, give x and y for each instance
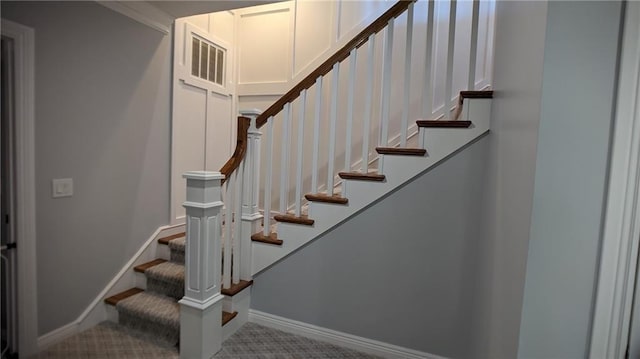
(359, 40)
(241, 148)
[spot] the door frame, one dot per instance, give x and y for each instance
(619, 253)
(25, 218)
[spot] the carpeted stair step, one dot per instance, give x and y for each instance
(177, 247)
(166, 278)
(150, 313)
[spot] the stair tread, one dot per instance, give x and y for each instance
(114, 299)
(443, 123)
(236, 288)
(226, 317)
(290, 218)
(371, 176)
(144, 266)
(166, 240)
(477, 94)
(323, 197)
(271, 239)
(404, 151)
(167, 272)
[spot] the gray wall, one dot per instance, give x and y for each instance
(102, 118)
(581, 54)
(517, 83)
(538, 213)
(400, 272)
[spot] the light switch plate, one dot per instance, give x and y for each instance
(62, 187)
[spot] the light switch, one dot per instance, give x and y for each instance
(62, 187)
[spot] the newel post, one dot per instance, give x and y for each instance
(201, 306)
(251, 216)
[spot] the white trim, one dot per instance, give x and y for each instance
(96, 312)
(142, 12)
(25, 183)
(618, 261)
(57, 335)
(337, 338)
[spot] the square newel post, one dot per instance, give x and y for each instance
(251, 216)
(201, 306)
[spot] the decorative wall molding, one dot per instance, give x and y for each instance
(337, 338)
(618, 261)
(142, 12)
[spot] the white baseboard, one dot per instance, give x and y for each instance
(124, 279)
(337, 338)
(57, 335)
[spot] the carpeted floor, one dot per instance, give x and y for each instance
(109, 340)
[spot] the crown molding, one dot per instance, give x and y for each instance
(142, 12)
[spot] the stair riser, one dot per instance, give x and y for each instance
(170, 289)
(177, 256)
(169, 334)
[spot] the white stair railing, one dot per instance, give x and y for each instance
(332, 129)
(223, 208)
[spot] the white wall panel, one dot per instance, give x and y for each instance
(264, 42)
(219, 133)
(190, 154)
(313, 32)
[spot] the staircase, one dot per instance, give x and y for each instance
(153, 311)
(264, 205)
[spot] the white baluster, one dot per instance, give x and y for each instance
(268, 180)
(227, 228)
(201, 306)
(284, 159)
(316, 136)
(386, 83)
(251, 186)
(350, 103)
(427, 91)
(448, 90)
(333, 117)
(303, 107)
(386, 90)
(368, 103)
(237, 227)
(407, 78)
(473, 51)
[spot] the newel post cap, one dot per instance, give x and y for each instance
(251, 112)
(203, 175)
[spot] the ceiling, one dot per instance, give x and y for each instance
(177, 8)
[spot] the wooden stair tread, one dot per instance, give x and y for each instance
(372, 176)
(403, 151)
(114, 299)
(271, 239)
(443, 124)
(236, 288)
(226, 317)
(477, 94)
(322, 197)
(166, 240)
(290, 218)
(144, 266)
